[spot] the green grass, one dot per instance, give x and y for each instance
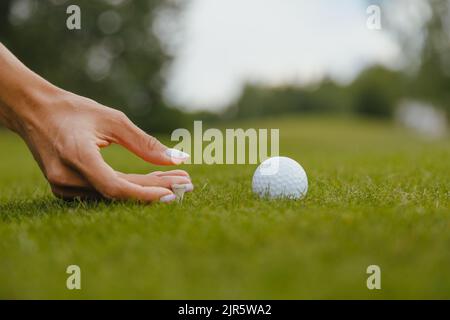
(378, 195)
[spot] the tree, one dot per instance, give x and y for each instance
(433, 78)
(428, 65)
(377, 91)
(115, 58)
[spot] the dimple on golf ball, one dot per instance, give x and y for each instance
(280, 177)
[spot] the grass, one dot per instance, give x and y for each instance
(378, 195)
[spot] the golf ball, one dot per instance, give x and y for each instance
(280, 177)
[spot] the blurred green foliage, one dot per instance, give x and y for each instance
(376, 91)
(115, 58)
(373, 93)
(432, 81)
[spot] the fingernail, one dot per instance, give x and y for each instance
(177, 154)
(188, 187)
(168, 198)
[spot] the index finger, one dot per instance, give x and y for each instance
(105, 180)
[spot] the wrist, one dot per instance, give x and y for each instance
(25, 102)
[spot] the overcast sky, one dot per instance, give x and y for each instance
(225, 43)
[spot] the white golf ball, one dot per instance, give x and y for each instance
(280, 177)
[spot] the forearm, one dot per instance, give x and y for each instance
(19, 88)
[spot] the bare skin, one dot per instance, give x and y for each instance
(65, 132)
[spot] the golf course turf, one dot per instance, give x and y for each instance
(378, 195)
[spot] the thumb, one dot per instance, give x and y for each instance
(146, 146)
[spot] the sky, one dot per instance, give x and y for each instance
(222, 44)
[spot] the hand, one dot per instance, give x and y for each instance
(65, 133)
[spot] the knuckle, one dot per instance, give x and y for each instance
(119, 116)
(66, 149)
(56, 177)
(64, 153)
(150, 142)
(112, 192)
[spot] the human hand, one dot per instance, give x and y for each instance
(65, 132)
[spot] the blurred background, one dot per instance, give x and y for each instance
(166, 63)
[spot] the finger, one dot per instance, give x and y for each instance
(157, 181)
(181, 173)
(64, 175)
(147, 147)
(105, 180)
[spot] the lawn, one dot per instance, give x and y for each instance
(378, 195)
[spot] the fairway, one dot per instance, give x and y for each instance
(378, 195)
